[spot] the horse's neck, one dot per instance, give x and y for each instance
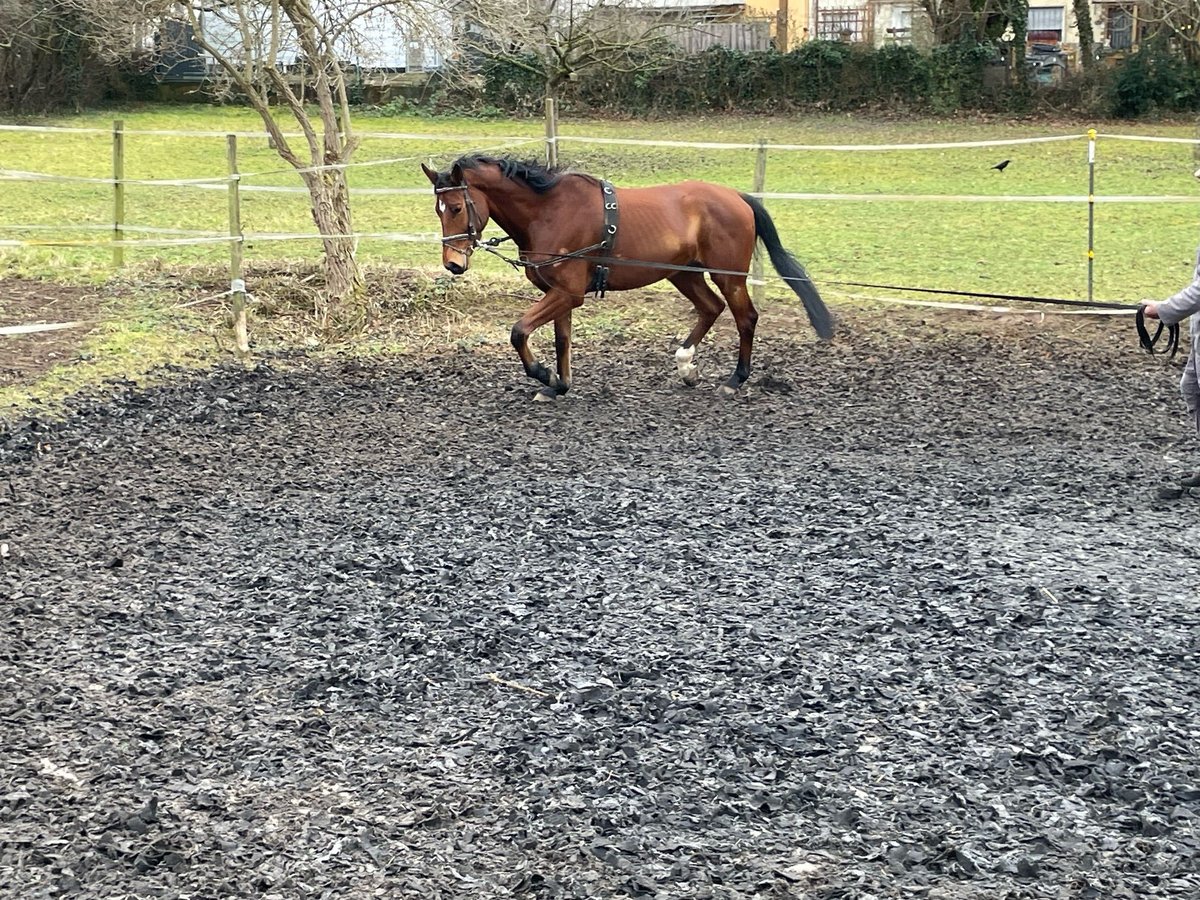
(516, 229)
(513, 207)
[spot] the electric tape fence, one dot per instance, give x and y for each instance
(237, 181)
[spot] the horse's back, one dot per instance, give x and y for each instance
(688, 193)
(698, 207)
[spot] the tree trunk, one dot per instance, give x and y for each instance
(1087, 41)
(342, 308)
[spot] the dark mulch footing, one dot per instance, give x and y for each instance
(901, 620)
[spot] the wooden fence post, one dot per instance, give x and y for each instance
(1091, 215)
(118, 166)
(551, 132)
(237, 286)
(760, 182)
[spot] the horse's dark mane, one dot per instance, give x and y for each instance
(539, 177)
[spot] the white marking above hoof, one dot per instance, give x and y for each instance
(688, 370)
(725, 392)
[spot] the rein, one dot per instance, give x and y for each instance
(1147, 340)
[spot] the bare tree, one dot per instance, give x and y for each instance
(554, 40)
(975, 20)
(289, 53)
(42, 57)
(1178, 20)
(951, 20)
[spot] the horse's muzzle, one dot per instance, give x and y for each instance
(455, 268)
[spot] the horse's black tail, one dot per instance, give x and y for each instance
(790, 270)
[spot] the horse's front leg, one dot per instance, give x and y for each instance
(554, 306)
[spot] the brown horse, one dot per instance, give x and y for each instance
(566, 225)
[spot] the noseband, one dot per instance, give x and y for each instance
(472, 232)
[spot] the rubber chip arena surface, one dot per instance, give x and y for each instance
(903, 619)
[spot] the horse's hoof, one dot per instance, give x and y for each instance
(545, 395)
(725, 392)
(692, 378)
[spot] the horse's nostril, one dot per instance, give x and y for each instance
(454, 268)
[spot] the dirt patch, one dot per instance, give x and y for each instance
(22, 302)
(899, 621)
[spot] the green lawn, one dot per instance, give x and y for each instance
(1142, 250)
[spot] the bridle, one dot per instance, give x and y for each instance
(472, 233)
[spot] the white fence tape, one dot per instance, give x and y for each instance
(36, 329)
(984, 198)
(262, 135)
(222, 185)
(211, 184)
(144, 229)
(214, 238)
(381, 162)
(142, 242)
(427, 237)
(18, 175)
(1149, 139)
(979, 307)
(764, 195)
(221, 182)
(840, 148)
(279, 189)
(528, 139)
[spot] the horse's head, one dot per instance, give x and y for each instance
(464, 214)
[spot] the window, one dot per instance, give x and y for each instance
(901, 28)
(1118, 27)
(1046, 24)
(840, 25)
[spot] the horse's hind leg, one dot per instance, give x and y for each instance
(708, 307)
(562, 351)
(746, 317)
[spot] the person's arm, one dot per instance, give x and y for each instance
(1179, 307)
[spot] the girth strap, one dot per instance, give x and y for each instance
(608, 238)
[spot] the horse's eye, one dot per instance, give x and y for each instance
(455, 210)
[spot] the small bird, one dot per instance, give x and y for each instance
(1002, 165)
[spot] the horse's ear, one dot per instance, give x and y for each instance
(456, 175)
(431, 174)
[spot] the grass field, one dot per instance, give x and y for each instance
(1142, 250)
